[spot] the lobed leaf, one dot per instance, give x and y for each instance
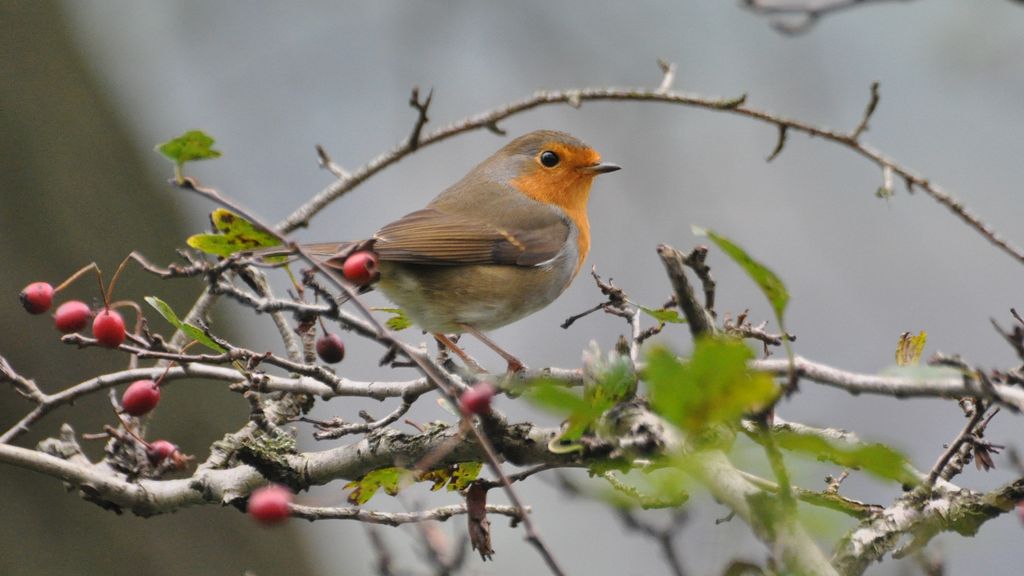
(192, 145)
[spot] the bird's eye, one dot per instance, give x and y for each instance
(549, 159)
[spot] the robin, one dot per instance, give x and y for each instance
(498, 245)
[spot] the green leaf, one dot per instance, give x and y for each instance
(714, 386)
(555, 397)
(390, 479)
(876, 459)
(191, 331)
(192, 145)
(909, 348)
(399, 321)
(234, 234)
(770, 284)
(668, 315)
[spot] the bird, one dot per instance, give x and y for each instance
(498, 245)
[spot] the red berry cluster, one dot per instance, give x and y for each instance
(73, 316)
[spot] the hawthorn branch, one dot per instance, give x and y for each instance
(954, 386)
(922, 516)
(439, 514)
(489, 119)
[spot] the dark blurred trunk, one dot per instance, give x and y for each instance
(75, 190)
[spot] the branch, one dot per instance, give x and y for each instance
(439, 514)
(922, 518)
(697, 316)
(489, 119)
(899, 387)
(387, 448)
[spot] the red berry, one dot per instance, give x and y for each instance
(330, 348)
(361, 268)
(71, 316)
(37, 297)
(477, 400)
(270, 504)
(160, 450)
(108, 328)
(141, 397)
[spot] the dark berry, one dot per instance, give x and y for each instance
(71, 316)
(361, 268)
(160, 450)
(330, 348)
(37, 297)
(140, 397)
(270, 504)
(477, 400)
(108, 328)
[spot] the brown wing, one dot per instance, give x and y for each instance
(433, 236)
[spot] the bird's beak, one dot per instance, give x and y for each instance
(602, 168)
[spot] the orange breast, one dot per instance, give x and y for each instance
(569, 192)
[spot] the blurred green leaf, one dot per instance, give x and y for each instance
(714, 386)
(770, 284)
(876, 459)
(667, 315)
(607, 380)
(192, 145)
(399, 321)
(555, 397)
(191, 331)
(234, 235)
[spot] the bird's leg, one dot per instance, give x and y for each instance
(514, 365)
(459, 352)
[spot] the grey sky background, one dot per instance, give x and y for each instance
(271, 80)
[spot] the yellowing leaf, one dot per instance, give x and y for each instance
(235, 234)
(456, 477)
(390, 479)
(910, 348)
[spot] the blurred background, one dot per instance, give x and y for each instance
(91, 86)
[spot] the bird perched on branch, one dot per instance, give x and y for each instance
(498, 245)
